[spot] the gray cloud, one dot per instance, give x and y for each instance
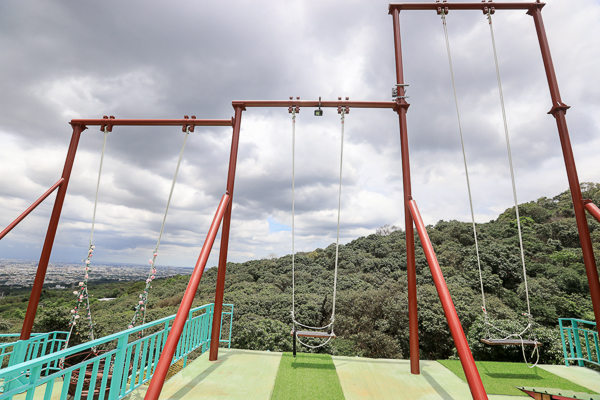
(163, 60)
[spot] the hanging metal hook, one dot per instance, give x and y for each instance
(319, 112)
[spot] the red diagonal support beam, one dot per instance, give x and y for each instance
(158, 379)
(592, 209)
(456, 330)
(31, 208)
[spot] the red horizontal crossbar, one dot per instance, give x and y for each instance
(314, 103)
(512, 5)
(153, 122)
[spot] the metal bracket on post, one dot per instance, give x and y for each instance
(319, 112)
(558, 106)
(488, 10)
(293, 107)
(185, 126)
(108, 126)
(538, 4)
(346, 108)
(439, 9)
(395, 91)
(401, 101)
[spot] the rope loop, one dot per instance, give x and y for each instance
(315, 346)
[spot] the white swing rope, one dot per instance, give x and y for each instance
(294, 230)
(462, 143)
(514, 187)
(142, 306)
(332, 319)
(82, 294)
(487, 323)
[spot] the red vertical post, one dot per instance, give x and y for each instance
(456, 330)
(559, 109)
(40, 275)
(215, 335)
(411, 270)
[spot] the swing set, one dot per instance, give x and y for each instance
(413, 217)
(509, 338)
(82, 294)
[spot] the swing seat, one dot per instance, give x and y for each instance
(509, 342)
(322, 335)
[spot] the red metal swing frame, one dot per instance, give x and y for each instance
(412, 215)
(558, 110)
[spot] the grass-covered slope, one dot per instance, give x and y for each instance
(503, 377)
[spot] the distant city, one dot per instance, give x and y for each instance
(61, 275)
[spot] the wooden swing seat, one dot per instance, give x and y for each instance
(509, 342)
(323, 335)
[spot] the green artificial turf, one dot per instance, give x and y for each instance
(502, 377)
(308, 376)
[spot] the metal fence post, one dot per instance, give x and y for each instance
(118, 368)
(577, 343)
(562, 337)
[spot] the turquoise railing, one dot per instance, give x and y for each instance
(580, 341)
(124, 360)
(38, 345)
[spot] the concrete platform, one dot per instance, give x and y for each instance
(363, 378)
(238, 374)
(249, 375)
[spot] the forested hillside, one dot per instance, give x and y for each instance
(372, 307)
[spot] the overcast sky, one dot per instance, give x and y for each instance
(158, 59)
